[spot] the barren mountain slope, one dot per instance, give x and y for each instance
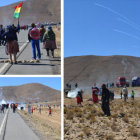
(87, 70)
(30, 92)
(32, 11)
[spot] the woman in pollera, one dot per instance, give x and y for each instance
(49, 41)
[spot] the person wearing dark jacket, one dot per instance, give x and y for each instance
(2, 30)
(105, 100)
(12, 47)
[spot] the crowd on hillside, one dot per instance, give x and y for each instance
(36, 35)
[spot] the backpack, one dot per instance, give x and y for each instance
(35, 34)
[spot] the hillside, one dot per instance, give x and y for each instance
(87, 70)
(33, 92)
(32, 11)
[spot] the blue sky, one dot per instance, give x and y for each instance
(53, 82)
(101, 27)
(7, 2)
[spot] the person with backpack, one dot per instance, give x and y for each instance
(105, 100)
(49, 41)
(12, 47)
(95, 92)
(42, 32)
(125, 93)
(34, 37)
(132, 94)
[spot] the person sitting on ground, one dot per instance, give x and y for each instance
(132, 94)
(12, 47)
(125, 93)
(33, 37)
(49, 41)
(105, 100)
(95, 92)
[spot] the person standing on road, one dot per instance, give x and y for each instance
(125, 93)
(132, 94)
(14, 108)
(12, 47)
(42, 32)
(49, 41)
(2, 108)
(34, 37)
(2, 31)
(105, 100)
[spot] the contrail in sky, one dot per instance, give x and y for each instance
(125, 19)
(126, 22)
(125, 33)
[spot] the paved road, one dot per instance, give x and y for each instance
(47, 65)
(17, 129)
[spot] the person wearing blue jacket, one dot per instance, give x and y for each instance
(12, 47)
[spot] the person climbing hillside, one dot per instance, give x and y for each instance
(125, 93)
(105, 100)
(95, 92)
(49, 41)
(132, 94)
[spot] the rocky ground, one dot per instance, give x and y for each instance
(87, 121)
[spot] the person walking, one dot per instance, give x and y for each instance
(14, 108)
(42, 32)
(95, 92)
(34, 37)
(12, 47)
(105, 100)
(49, 41)
(132, 94)
(125, 93)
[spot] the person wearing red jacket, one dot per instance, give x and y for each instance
(95, 92)
(79, 97)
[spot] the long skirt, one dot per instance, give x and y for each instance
(12, 47)
(50, 44)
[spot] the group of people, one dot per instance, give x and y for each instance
(105, 97)
(9, 38)
(95, 92)
(32, 109)
(124, 93)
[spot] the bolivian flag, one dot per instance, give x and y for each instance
(17, 10)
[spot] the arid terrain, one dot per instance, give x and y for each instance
(32, 11)
(87, 70)
(45, 126)
(87, 121)
(33, 92)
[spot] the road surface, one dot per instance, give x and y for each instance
(15, 128)
(46, 66)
